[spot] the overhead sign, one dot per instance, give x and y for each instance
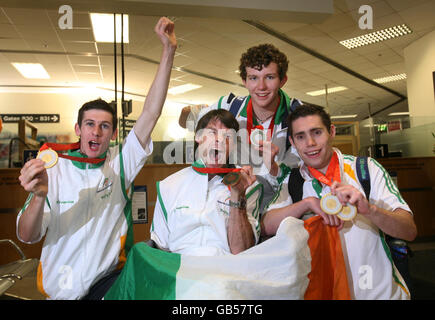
(34, 118)
(129, 123)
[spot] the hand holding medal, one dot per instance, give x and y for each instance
(332, 206)
(49, 156)
(330, 203)
(241, 180)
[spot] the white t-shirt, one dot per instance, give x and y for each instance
(191, 213)
(86, 224)
(371, 273)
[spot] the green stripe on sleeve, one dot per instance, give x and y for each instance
(128, 206)
(220, 103)
(256, 211)
(29, 197)
(121, 173)
(390, 258)
(162, 205)
(389, 182)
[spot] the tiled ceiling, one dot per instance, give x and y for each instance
(209, 51)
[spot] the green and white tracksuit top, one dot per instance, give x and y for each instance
(87, 219)
(371, 273)
(191, 213)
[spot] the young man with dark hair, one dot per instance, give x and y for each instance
(370, 272)
(196, 214)
(97, 104)
(80, 204)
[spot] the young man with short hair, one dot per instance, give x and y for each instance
(81, 204)
(325, 170)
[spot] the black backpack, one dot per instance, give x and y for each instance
(399, 250)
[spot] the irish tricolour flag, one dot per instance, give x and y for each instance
(303, 261)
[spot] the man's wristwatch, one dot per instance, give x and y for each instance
(241, 204)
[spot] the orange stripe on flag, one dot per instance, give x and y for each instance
(328, 272)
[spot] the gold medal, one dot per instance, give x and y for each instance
(330, 204)
(49, 156)
(231, 178)
(348, 212)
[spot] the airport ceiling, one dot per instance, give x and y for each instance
(209, 51)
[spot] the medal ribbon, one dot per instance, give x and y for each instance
(71, 146)
(215, 170)
(250, 121)
(332, 173)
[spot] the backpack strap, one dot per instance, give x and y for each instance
(362, 171)
(235, 104)
(231, 96)
(296, 185)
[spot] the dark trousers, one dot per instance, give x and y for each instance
(99, 289)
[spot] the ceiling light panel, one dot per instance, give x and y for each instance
(102, 25)
(323, 91)
(31, 70)
(399, 114)
(377, 36)
(396, 77)
(345, 116)
(183, 88)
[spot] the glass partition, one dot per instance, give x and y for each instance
(398, 137)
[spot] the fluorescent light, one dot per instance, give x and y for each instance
(377, 36)
(183, 88)
(396, 77)
(344, 116)
(399, 114)
(323, 91)
(31, 70)
(102, 25)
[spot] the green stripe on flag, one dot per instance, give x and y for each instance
(149, 274)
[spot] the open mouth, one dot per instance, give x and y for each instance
(94, 146)
(216, 156)
(312, 154)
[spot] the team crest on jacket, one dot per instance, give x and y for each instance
(106, 186)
